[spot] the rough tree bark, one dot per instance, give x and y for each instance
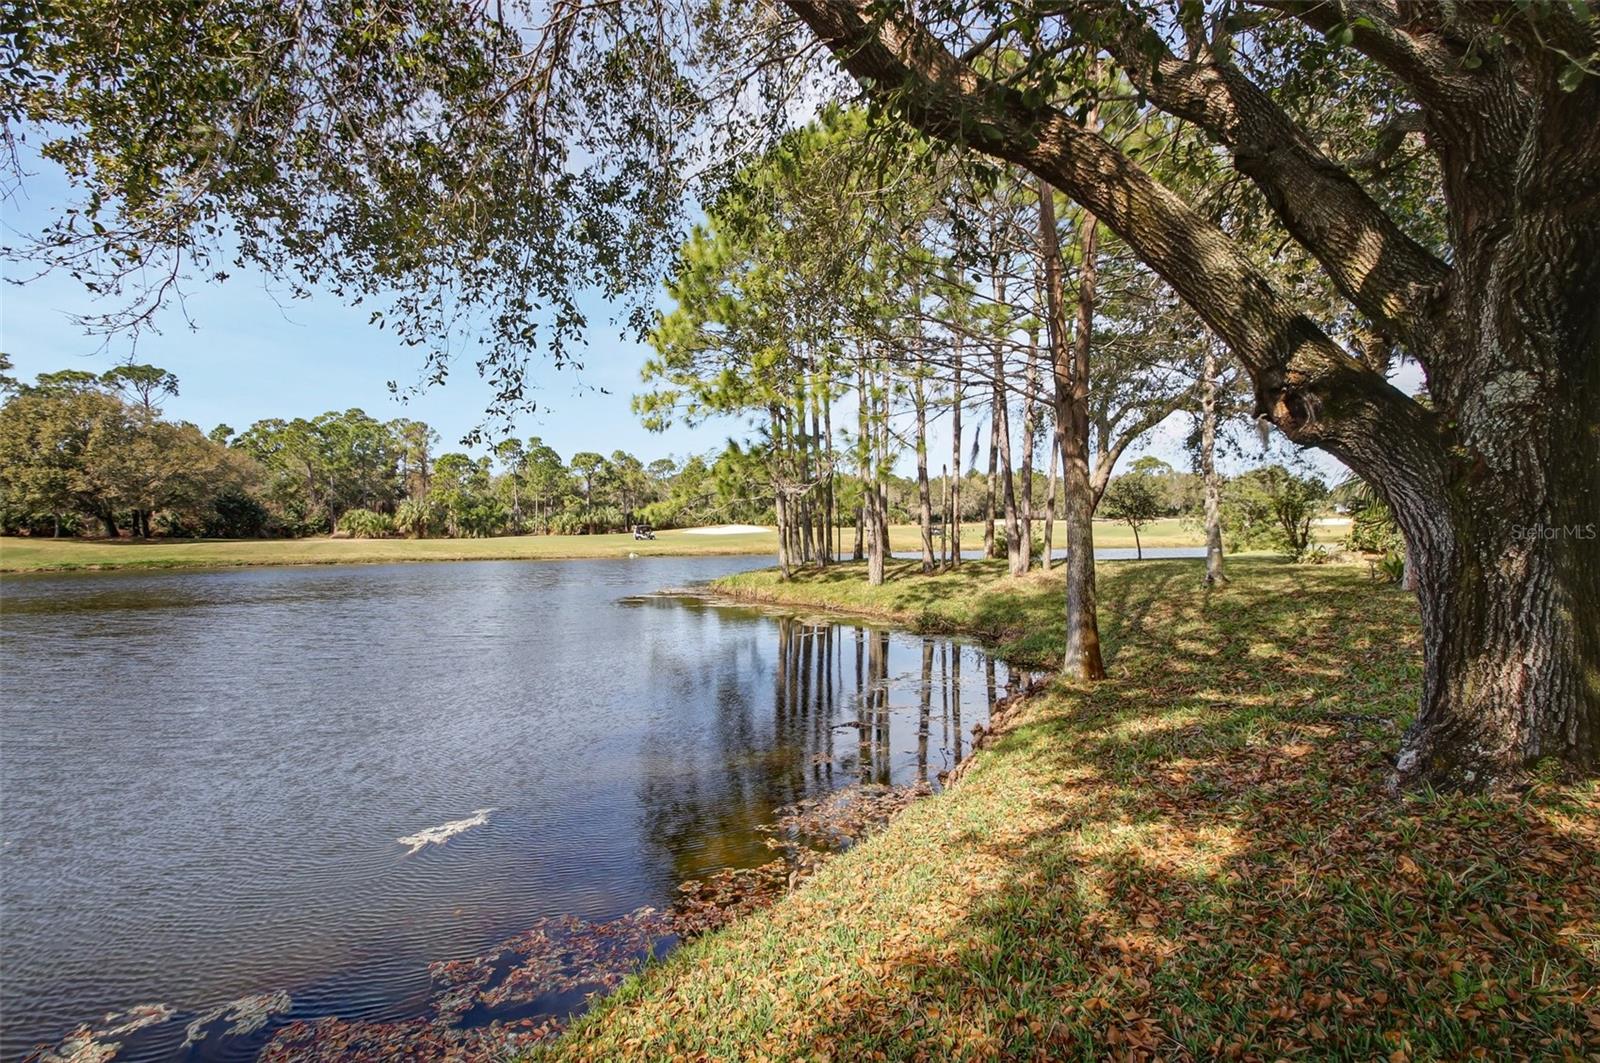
(1496, 483)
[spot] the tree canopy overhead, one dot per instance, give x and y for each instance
(453, 166)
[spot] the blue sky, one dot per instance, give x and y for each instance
(253, 356)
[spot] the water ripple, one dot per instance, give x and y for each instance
(206, 773)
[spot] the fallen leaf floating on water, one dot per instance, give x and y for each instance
(836, 820)
(88, 1045)
(247, 1015)
(445, 831)
(342, 1041)
(705, 904)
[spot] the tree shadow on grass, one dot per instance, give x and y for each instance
(1198, 858)
(1215, 866)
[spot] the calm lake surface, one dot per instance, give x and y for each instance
(205, 774)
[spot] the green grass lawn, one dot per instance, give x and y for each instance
(24, 555)
(1197, 858)
(37, 555)
(1019, 616)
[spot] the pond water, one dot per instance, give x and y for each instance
(207, 775)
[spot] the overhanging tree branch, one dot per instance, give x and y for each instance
(1427, 60)
(1373, 262)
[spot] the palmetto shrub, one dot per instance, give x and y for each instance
(365, 524)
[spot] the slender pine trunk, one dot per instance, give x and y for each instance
(1081, 658)
(989, 484)
(882, 472)
(1008, 488)
(955, 460)
(1050, 502)
(865, 447)
(946, 526)
(780, 507)
(830, 503)
(1030, 421)
(924, 495)
(1208, 468)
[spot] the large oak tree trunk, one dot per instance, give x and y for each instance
(1507, 555)
(1512, 658)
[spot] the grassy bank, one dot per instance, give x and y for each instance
(1196, 858)
(1021, 617)
(59, 555)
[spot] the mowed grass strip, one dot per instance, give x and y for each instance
(38, 555)
(20, 554)
(1197, 858)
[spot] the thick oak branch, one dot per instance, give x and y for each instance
(1381, 270)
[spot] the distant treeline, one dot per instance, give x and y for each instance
(82, 453)
(87, 454)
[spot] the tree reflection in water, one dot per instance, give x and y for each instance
(822, 679)
(817, 676)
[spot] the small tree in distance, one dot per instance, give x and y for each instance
(1135, 499)
(1273, 507)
